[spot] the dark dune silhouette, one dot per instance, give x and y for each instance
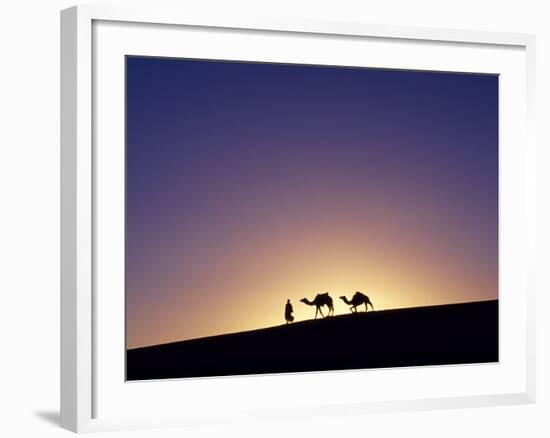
(434, 335)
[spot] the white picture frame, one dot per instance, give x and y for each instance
(84, 318)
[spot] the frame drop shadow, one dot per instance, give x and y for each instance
(51, 417)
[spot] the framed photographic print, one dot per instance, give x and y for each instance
(252, 209)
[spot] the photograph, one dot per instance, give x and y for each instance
(291, 218)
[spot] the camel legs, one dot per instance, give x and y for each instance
(318, 310)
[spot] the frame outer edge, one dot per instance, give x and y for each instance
(531, 206)
(68, 342)
(76, 280)
(76, 336)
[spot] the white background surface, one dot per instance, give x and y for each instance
(29, 219)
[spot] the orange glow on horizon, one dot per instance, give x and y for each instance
(255, 278)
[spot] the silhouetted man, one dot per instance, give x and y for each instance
(288, 312)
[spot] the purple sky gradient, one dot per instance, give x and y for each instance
(251, 183)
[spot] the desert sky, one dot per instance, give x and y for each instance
(248, 184)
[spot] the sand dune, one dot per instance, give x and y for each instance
(435, 335)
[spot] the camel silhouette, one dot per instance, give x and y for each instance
(357, 299)
(319, 301)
